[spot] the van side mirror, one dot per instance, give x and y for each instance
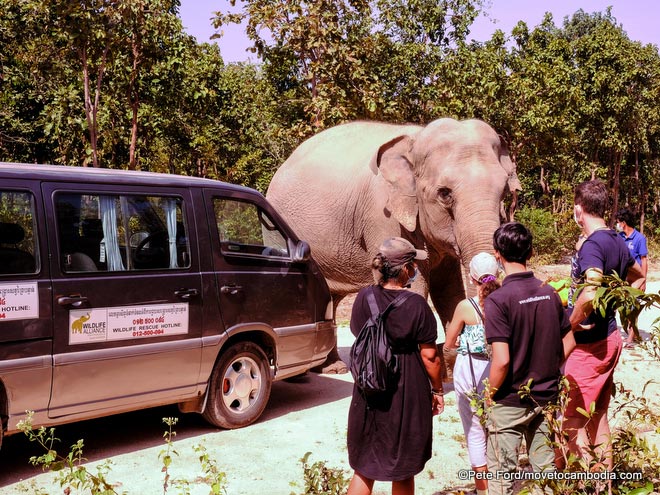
(301, 252)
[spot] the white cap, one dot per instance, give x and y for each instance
(483, 264)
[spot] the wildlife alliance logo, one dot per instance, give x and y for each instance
(87, 326)
(77, 325)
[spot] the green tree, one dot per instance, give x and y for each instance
(152, 37)
(356, 58)
(611, 81)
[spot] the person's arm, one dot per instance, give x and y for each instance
(568, 342)
(499, 366)
(433, 366)
(645, 271)
(455, 326)
(636, 276)
(583, 305)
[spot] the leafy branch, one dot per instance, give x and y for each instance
(71, 473)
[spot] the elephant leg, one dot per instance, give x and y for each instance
(446, 290)
(333, 364)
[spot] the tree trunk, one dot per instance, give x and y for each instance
(132, 161)
(642, 207)
(616, 185)
(92, 108)
(134, 98)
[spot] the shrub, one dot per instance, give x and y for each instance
(549, 245)
(74, 477)
(322, 480)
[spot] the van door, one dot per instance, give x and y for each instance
(26, 326)
(259, 283)
(126, 297)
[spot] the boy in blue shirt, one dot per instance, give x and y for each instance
(636, 243)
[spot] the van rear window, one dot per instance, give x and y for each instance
(18, 233)
(121, 232)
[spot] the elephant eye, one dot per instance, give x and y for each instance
(445, 196)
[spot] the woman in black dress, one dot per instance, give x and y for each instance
(389, 435)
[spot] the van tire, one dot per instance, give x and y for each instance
(239, 387)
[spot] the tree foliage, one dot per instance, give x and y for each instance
(117, 83)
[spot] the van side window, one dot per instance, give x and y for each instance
(245, 229)
(18, 233)
(121, 232)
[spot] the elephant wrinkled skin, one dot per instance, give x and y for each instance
(440, 186)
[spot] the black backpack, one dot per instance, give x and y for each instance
(373, 363)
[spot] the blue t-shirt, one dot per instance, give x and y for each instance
(605, 250)
(636, 243)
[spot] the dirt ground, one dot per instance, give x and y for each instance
(308, 414)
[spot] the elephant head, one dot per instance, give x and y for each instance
(446, 182)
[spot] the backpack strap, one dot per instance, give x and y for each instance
(375, 310)
(476, 308)
(481, 317)
(371, 299)
(398, 301)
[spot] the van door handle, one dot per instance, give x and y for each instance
(186, 294)
(231, 290)
(75, 300)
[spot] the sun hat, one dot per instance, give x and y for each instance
(399, 251)
(483, 264)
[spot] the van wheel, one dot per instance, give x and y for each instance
(239, 387)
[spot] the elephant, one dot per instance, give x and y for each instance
(441, 186)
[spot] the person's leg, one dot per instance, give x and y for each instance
(584, 382)
(602, 436)
(594, 387)
(632, 338)
(505, 432)
(475, 434)
(404, 487)
(360, 485)
(578, 435)
(541, 453)
(601, 433)
(480, 483)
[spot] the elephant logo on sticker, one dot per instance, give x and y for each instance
(77, 325)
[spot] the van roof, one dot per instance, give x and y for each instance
(67, 173)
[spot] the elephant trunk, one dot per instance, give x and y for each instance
(479, 239)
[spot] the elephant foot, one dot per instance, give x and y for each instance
(332, 368)
(333, 364)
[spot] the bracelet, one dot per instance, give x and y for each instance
(438, 393)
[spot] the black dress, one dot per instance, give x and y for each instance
(389, 437)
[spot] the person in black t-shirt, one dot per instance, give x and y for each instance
(530, 336)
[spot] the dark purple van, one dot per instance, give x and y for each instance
(125, 290)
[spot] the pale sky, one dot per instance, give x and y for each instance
(640, 19)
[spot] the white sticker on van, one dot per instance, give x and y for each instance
(19, 301)
(124, 323)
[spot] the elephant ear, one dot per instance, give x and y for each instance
(510, 167)
(512, 179)
(393, 161)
